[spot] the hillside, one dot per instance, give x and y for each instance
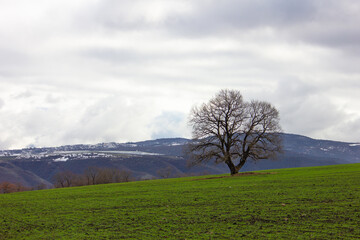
(300, 203)
(36, 166)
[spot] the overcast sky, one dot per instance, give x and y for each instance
(89, 71)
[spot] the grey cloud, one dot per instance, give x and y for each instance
(6, 143)
(346, 37)
(206, 16)
(323, 22)
(2, 103)
(9, 57)
(52, 99)
(349, 130)
(312, 115)
(113, 118)
(12, 61)
(296, 92)
(330, 23)
(113, 55)
(235, 16)
(131, 56)
(307, 109)
(113, 15)
(26, 94)
(39, 120)
(35, 126)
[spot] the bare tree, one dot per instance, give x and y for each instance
(228, 129)
(64, 179)
(7, 187)
(41, 186)
(91, 176)
(123, 176)
(106, 175)
(165, 172)
(96, 175)
(91, 173)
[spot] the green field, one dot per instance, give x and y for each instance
(301, 203)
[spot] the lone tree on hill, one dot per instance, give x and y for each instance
(228, 129)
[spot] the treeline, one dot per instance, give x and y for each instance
(8, 187)
(91, 176)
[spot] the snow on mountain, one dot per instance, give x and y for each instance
(354, 144)
(61, 159)
(173, 146)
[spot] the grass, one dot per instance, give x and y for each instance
(301, 203)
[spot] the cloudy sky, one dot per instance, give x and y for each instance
(89, 71)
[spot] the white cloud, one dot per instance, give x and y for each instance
(170, 124)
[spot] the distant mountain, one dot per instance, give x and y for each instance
(146, 159)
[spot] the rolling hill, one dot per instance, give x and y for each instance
(298, 203)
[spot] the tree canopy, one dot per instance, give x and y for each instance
(230, 130)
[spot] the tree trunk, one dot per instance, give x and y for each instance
(231, 167)
(241, 164)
